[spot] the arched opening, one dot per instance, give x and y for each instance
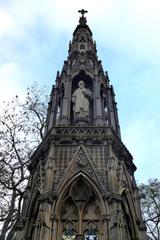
(85, 100)
(128, 225)
(80, 212)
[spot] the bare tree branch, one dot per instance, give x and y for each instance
(150, 203)
(21, 129)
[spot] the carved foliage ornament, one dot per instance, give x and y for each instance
(81, 163)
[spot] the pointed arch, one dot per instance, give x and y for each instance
(129, 223)
(66, 186)
(82, 69)
(83, 74)
(80, 208)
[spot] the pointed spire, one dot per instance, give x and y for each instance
(82, 21)
(107, 79)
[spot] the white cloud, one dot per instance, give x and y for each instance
(11, 81)
(128, 26)
(6, 22)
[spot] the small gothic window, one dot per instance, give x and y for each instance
(69, 233)
(91, 233)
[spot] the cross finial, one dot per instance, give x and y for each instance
(82, 11)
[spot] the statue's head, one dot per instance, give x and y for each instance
(81, 84)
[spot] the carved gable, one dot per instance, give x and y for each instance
(81, 163)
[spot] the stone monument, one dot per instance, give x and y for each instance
(81, 184)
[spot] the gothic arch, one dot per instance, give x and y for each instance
(82, 75)
(80, 209)
(79, 70)
(67, 184)
(129, 226)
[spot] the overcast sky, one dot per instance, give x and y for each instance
(34, 37)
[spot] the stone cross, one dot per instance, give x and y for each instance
(82, 12)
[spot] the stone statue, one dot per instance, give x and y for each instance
(80, 99)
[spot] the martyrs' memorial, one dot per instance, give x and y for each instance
(81, 184)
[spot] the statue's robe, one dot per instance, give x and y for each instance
(81, 102)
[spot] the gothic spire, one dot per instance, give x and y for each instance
(82, 67)
(82, 22)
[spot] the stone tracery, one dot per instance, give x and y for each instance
(82, 209)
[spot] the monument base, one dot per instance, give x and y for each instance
(81, 121)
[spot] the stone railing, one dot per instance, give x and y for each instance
(91, 132)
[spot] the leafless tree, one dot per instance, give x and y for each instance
(21, 130)
(150, 202)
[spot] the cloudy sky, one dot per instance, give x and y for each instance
(34, 37)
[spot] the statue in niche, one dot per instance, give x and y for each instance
(81, 99)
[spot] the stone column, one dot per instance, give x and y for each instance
(66, 103)
(54, 227)
(112, 169)
(116, 119)
(97, 102)
(52, 109)
(50, 168)
(115, 233)
(110, 107)
(44, 229)
(105, 222)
